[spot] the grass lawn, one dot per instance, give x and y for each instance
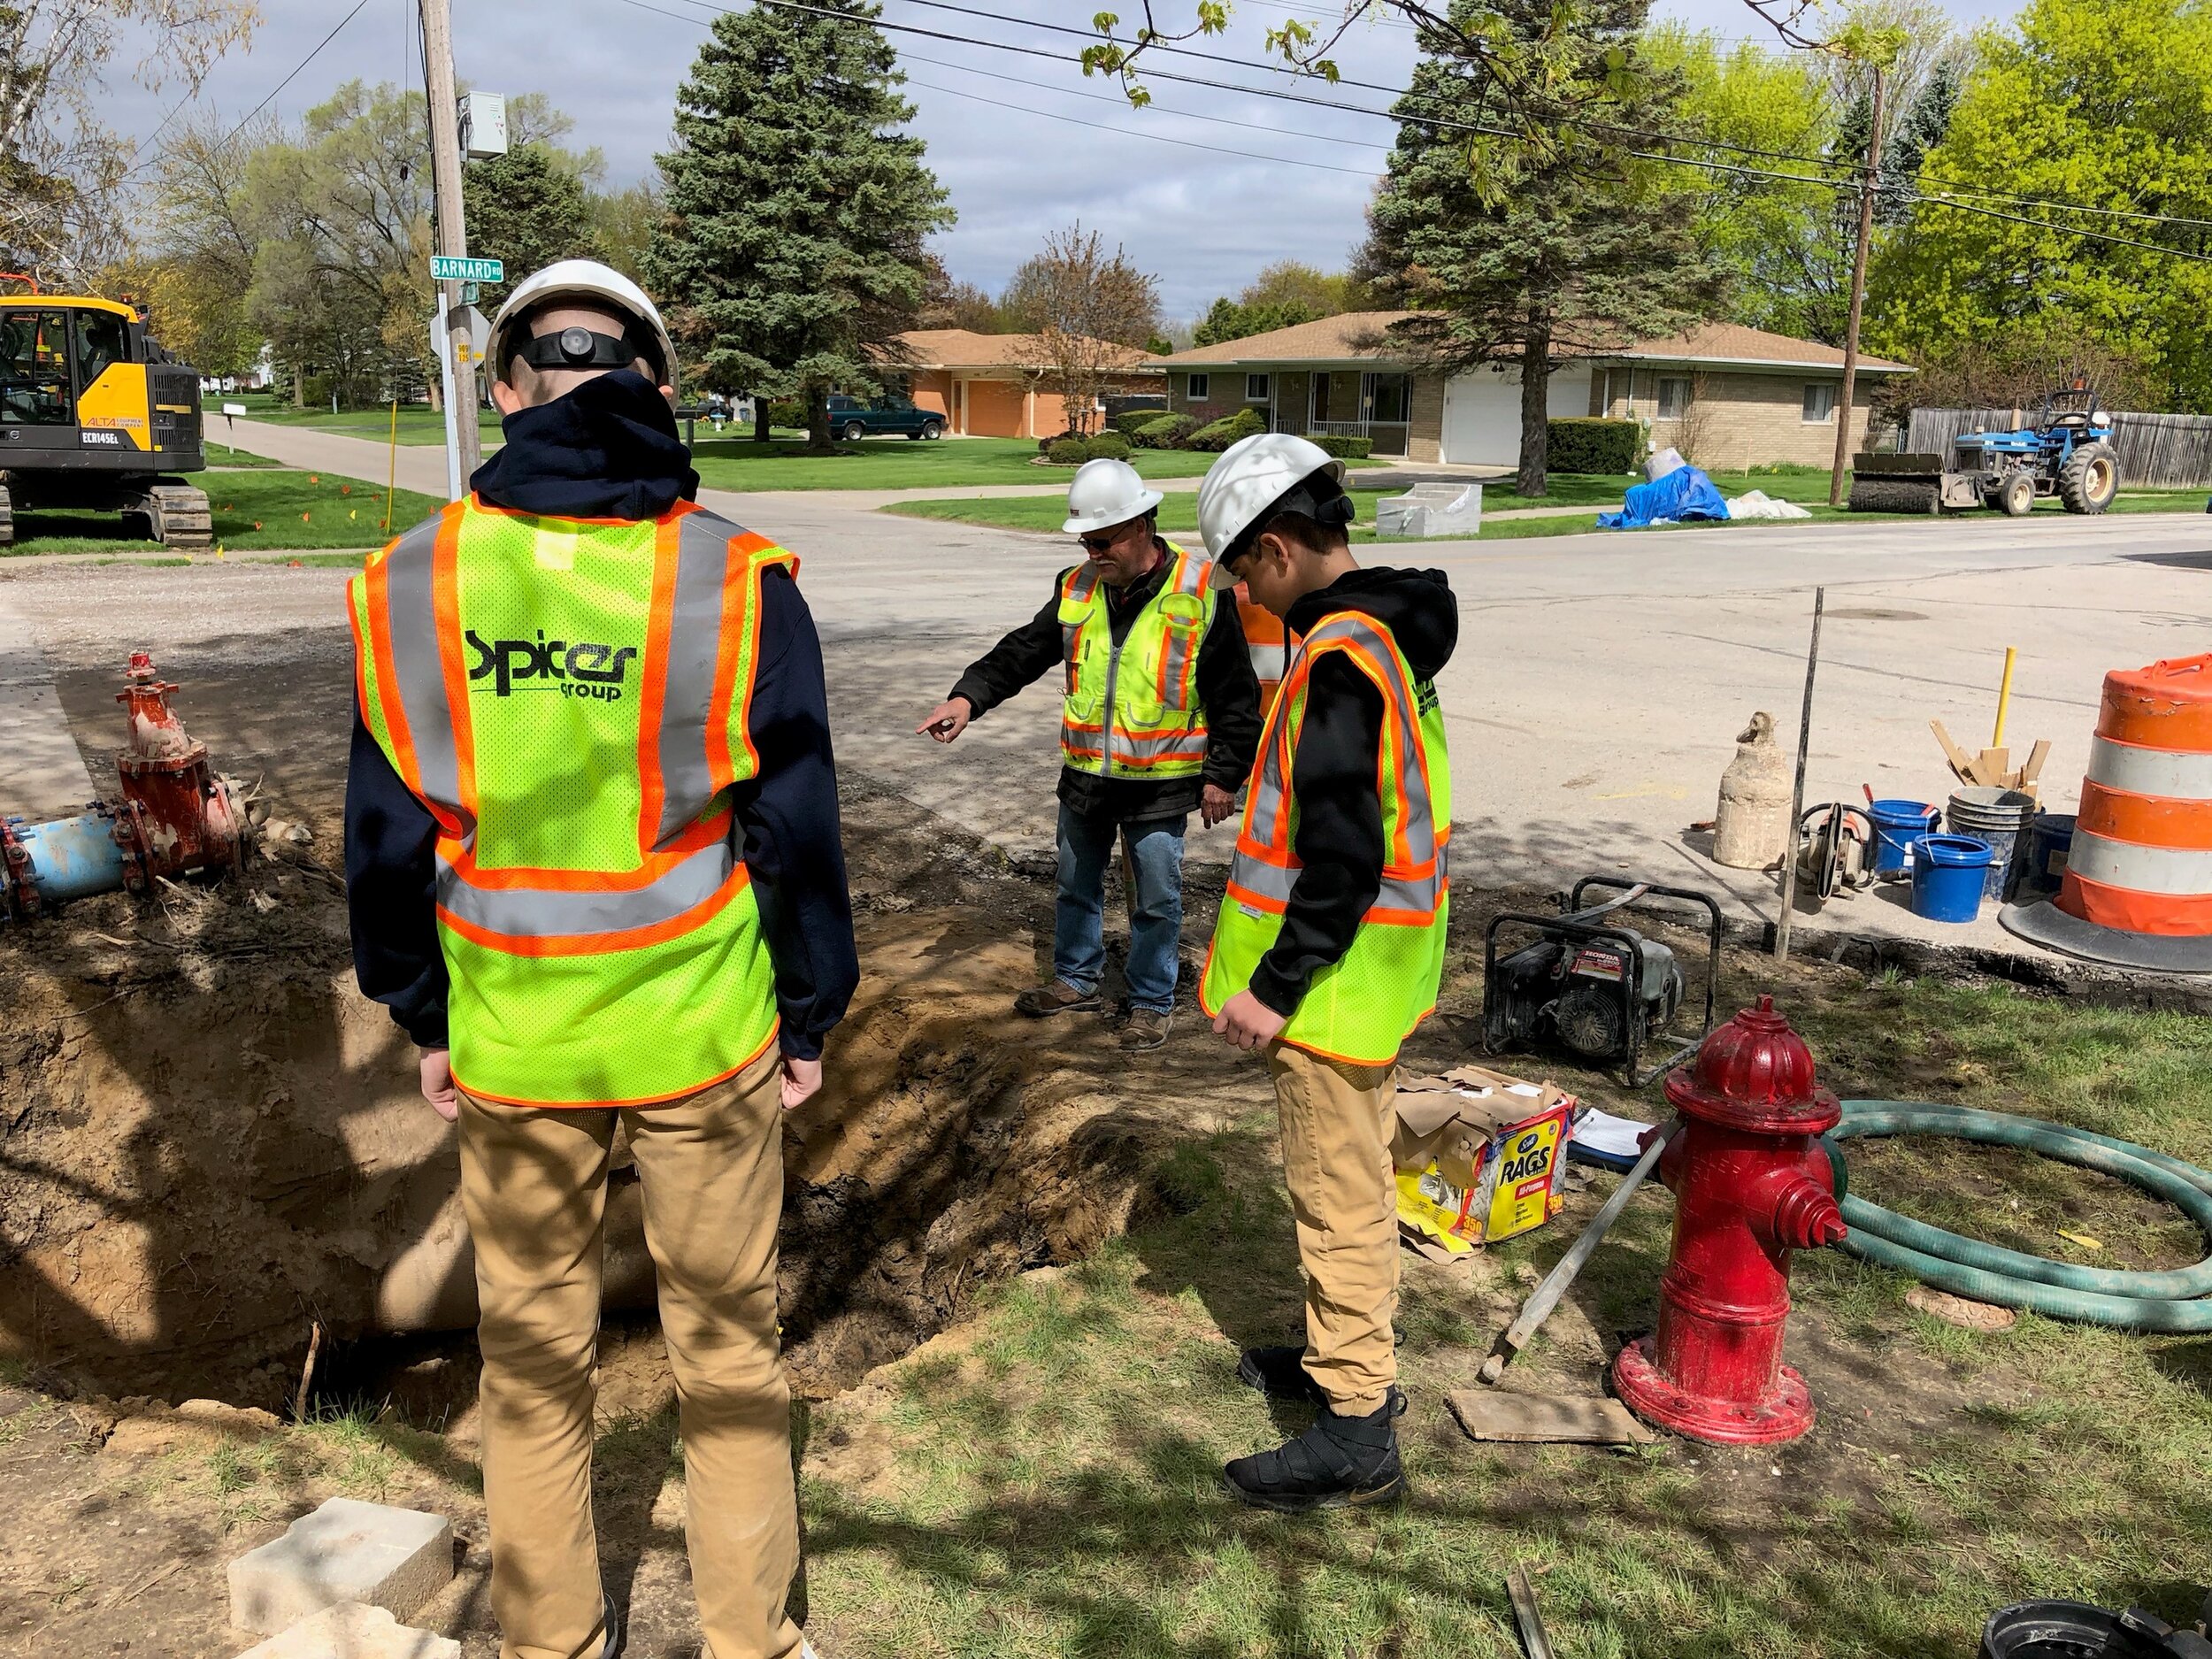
(734, 463)
(1179, 513)
(269, 508)
(1042, 1480)
(418, 423)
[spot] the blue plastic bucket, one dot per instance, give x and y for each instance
(2043, 868)
(1948, 874)
(1897, 826)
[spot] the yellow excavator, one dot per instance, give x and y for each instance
(95, 417)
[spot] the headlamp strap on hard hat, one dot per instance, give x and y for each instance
(581, 347)
(1317, 495)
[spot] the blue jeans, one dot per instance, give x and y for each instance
(1155, 924)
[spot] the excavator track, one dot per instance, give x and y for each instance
(179, 514)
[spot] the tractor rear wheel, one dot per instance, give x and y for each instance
(2090, 480)
(2017, 494)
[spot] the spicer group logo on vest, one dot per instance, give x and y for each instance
(582, 670)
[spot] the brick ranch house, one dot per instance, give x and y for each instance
(1730, 396)
(992, 386)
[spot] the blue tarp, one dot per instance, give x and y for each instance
(1684, 493)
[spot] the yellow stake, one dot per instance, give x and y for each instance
(2004, 697)
(391, 484)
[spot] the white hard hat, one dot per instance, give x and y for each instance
(1106, 492)
(1251, 475)
(586, 282)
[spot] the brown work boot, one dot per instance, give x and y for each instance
(1041, 1001)
(1144, 1029)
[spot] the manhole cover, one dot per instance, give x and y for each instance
(1872, 613)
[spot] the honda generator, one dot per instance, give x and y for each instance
(1591, 985)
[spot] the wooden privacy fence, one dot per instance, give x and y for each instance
(2156, 451)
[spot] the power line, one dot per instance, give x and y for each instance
(1594, 126)
(224, 142)
(1438, 123)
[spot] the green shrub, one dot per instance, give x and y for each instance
(787, 413)
(1130, 420)
(1164, 431)
(1107, 446)
(1226, 431)
(1067, 452)
(1590, 444)
(1346, 449)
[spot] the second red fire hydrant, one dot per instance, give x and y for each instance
(1751, 1185)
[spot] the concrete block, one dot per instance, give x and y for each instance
(347, 1629)
(346, 1551)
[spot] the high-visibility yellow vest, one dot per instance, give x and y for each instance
(1266, 641)
(568, 699)
(1361, 1007)
(1133, 708)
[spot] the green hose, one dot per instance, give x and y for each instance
(2165, 1301)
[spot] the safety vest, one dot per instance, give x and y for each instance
(1266, 641)
(1360, 1008)
(1133, 708)
(568, 699)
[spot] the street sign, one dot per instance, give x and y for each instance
(446, 268)
(479, 334)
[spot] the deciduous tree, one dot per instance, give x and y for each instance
(1091, 307)
(797, 206)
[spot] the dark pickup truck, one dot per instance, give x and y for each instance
(852, 419)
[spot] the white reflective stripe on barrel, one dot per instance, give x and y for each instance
(2181, 774)
(2142, 869)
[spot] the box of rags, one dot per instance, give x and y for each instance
(1479, 1157)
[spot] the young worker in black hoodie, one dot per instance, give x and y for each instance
(1329, 942)
(593, 859)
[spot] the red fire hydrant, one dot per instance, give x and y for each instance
(1751, 1185)
(176, 815)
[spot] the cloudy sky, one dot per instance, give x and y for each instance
(1019, 138)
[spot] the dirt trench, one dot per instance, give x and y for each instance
(209, 1143)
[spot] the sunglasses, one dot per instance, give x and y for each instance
(1097, 543)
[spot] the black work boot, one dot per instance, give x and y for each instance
(1279, 1372)
(1339, 1462)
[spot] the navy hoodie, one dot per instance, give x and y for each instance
(609, 450)
(1340, 835)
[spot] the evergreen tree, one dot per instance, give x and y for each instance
(1531, 252)
(797, 210)
(526, 209)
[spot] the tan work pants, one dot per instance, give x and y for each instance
(534, 1182)
(1336, 1159)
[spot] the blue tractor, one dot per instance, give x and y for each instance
(2067, 451)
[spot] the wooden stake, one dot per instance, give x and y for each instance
(1797, 793)
(307, 1372)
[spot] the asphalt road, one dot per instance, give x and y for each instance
(1594, 699)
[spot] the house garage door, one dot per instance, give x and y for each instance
(1482, 413)
(995, 409)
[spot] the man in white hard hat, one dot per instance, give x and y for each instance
(1160, 711)
(1329, 942)
(593, 865)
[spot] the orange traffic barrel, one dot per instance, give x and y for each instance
(2138, 889)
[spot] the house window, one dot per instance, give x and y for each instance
(1387, 396)
(1820, 403)
(1674, 398)
(1196, 386)
(1255, 388)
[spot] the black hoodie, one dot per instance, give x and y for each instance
(609, 450)
(1340, 836)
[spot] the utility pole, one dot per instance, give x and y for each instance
(1858, 295)
(463, 444)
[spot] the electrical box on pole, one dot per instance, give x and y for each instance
(483, 125)
(463, 444)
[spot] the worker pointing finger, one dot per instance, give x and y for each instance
(1159, 714)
